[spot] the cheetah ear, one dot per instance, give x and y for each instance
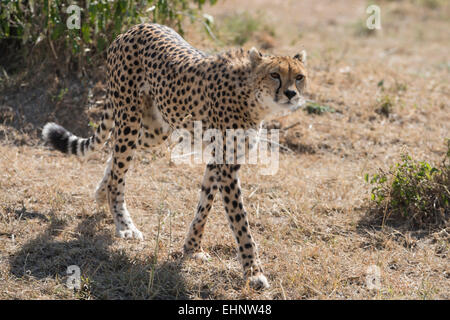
(255, 56)
(301, 57)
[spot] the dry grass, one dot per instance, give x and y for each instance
(315, 235)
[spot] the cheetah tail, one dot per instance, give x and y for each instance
(63, 140)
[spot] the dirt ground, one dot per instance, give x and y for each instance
(389, 92)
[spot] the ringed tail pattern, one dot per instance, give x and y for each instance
(63, 140)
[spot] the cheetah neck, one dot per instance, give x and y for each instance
(230, 86)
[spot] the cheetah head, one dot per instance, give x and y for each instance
(280, 81)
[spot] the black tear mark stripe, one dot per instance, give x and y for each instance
(278, 90)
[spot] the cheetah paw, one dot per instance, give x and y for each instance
(200, 256)
(131, 233)
(259, 282)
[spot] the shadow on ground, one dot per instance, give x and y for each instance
(105, 273)
(378, 231)
(24, 110)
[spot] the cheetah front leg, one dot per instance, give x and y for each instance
(237, 216)
(192, 245)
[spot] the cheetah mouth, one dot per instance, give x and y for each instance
(294, 105)
(290, 102)
(286, 103)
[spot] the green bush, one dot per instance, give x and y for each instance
(27, 26)
(413, 191)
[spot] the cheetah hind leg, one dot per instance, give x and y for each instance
(101, 197)
(101, 190)
(192, 245)
(154, 130)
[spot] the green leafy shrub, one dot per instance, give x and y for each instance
(413, 191)
(27, 26)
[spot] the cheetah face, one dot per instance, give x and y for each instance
(280, 81)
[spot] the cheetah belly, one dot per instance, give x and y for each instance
(154, 129)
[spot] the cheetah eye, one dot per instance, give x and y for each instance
(275, 75)
(300, 77)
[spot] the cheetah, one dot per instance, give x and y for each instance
(158, 83)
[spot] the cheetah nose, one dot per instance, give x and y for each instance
(290, 93)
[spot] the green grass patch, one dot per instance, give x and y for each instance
(316, 108)
(385, 106)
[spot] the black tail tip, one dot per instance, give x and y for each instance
(56, 136)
